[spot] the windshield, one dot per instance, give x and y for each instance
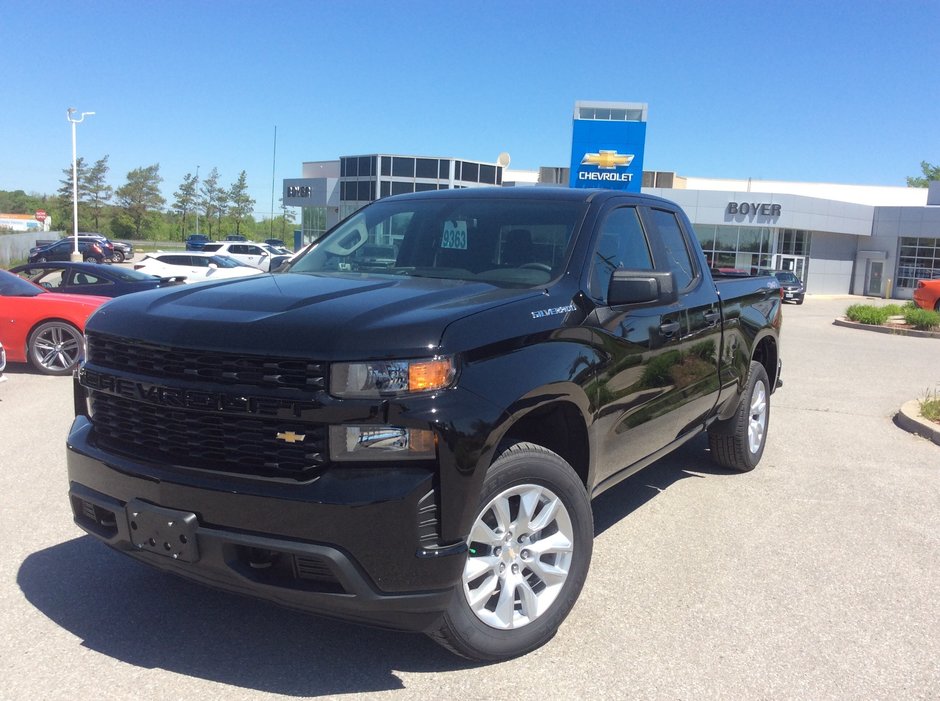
(14, 286)
(128, 275)
(226, 262)
(512, 241)
(787, 277)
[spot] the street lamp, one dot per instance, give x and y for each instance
(76, 256)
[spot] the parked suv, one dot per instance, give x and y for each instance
(92, 251)
(195, 242)
(248, 252)
(793, 288)
(119, 251)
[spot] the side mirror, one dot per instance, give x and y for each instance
(641, 286)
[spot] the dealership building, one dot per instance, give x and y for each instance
(839, 239)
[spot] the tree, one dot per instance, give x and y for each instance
(186, 200)
(96, 191)
(242, 204)
(210, 192)
(930, 172)
(140, 197)
(221, 205)
(65, 211)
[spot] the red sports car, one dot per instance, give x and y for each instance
(43, 328)
(927, 294)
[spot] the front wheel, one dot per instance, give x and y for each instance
(738, 443)
(55, 348)
(529, 551)
(118, 256)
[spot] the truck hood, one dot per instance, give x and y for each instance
(328, 317)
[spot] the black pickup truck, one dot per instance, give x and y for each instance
(416, 446)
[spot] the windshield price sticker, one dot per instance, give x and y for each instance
(454, 235)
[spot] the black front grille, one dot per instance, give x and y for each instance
(204, 366)
(264, 447)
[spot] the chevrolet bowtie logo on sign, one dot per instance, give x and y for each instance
(607, 160)
(291, 437)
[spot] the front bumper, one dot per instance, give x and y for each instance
(343, 546)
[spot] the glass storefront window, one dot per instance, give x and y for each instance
(470, 172)
(705, 233)
(726, 238)
(426, 168)
(366, 165)
(403, 167)
(918, 259)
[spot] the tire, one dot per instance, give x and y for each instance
(41, 259)
(91, 259)
(118, 256)
(55, 348)
(523, 573)
(799, 301)
(738, 443)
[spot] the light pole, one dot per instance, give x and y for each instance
(76, 256)
(197, 200)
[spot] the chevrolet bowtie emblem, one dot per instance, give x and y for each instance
(291, 437)
(608, 160)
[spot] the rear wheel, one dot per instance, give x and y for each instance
(55, 347)
(738, 443)
(529, 551)
(91, 259)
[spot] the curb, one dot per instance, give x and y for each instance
(893, 330)
(910, 420)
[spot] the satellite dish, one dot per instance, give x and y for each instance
(503, 160)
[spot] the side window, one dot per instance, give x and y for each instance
(52, 280)
(622, 244)
(88, 279)
(674, 243)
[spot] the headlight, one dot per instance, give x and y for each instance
(390, 378)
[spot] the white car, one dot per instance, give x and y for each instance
(196, 266)
(257, 255)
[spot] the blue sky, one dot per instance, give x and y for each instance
(845, 92)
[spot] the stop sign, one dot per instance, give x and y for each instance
(40, 215)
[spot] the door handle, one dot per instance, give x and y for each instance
(669, 328)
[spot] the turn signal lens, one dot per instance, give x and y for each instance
(430, 374)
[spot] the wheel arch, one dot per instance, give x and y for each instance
(557, 425)
(61, 319)
(767, 354)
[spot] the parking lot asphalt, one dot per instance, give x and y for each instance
(815, 576)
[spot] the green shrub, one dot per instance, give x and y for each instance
(893, 309)
(921, 318)
(867, 314)
(930, 407)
